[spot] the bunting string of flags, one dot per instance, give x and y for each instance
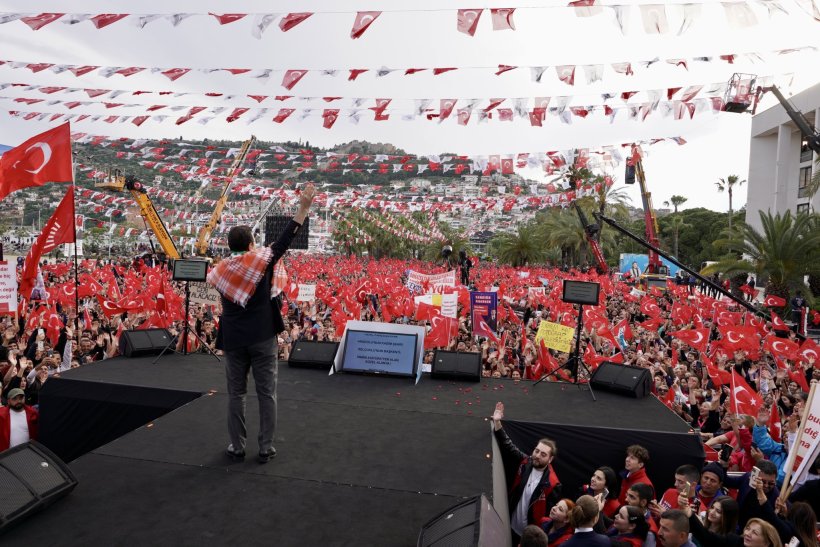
(291, 77)
(655, 18)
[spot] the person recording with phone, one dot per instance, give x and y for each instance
(766, 472)
(604, 481)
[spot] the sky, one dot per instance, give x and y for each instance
(422, 34)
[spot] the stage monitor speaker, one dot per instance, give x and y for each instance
(275, 225)
(624, 379)
(136, 343)
(474, 522)
(313, 354)
(455, 365)
(32, 478)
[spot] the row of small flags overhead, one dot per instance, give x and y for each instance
(656, 18)
(290, 77)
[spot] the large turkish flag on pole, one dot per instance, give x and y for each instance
(59, 229)
(43, 158)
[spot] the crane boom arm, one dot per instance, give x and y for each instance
(809, 132)
(589, 233)
(206, 231)
(149, 213)
(650, 219)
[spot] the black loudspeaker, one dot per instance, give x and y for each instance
(474, 522)
(454, 365)
(313, 354)
(136, 343)
(275, 225)
(31, 479)
(624, 379)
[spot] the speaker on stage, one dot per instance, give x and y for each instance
(32, 478)
(308, 354)
(457, 365)
(631, 381)
(275, 225)
(136, 343)
(474, 522)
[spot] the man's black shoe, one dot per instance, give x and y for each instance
(234, 455)
(265, 457)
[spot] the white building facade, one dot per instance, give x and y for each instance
(780, 163)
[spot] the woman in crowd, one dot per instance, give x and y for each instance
(604, 481)
(721, 518)
(799, 520)
(629, 527)
(557, 526)
(582, 518)
(757, 533)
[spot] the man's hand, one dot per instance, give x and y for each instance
(498, 415)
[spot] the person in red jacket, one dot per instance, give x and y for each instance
(635, 470)
(534, 486)
(18, 421)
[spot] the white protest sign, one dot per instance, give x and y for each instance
(806, 446)
(307, 292)
(447, 302)
(8, 287)
(203, 293)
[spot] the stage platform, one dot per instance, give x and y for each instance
(362, 460)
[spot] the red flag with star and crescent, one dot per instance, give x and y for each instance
(43, 158)
(745, 399)
(59, 229)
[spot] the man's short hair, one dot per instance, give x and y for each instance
(680, 523)
(639, 452)
(767, 467)
(689, 471)
(534, 536)
(644, 491)
(551, 444)
(240, 238)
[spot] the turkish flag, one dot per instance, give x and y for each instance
(363, 21)
(36, 22)
(775, 426)
(426, 312)
(443, 330)
(719, 377)
(780, 347)
(109, 308)
(292, 19)
(467, 20)
(283, 114)
(773, 301)
(329, 117)
(809, 350)
(43, 158)
(227, 18)
(746, 400)
(59, 229)
(696, 338)
(503, 18)
(292, 77)
(778, 324)
(650, 307)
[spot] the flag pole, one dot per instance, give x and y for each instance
(74, 231)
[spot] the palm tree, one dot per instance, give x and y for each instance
(677, 224)
(727, 184)
(520, 248)
(676, 201)
(787, 250)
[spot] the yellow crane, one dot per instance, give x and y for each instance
(117, 182)
(205, 232)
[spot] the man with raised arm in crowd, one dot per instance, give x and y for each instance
(249, 325)
(533, 485)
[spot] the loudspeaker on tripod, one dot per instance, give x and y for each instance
(473, 523)
(624, 379)
(32, 478)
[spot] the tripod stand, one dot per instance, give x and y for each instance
(574, 362)
(188, 329)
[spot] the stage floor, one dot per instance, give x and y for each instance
(361, 460)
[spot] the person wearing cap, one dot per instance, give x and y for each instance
(18, 421)
(711, 485)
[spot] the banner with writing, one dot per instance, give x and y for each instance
(419, 282)
(8, 287)
(203, 293)
(307, 292)
(484, 313)
(555, 336)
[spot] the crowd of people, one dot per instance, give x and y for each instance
(652, 329)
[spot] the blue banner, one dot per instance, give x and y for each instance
(484, 313)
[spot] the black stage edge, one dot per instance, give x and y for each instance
(361, 460)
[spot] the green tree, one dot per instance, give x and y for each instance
(676, 201)
(785, 251)
(520, 248)
(727, 184)
(677, 224)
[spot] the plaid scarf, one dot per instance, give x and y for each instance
(236, 278)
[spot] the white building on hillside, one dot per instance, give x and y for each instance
(780, 163)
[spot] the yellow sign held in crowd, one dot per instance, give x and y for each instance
(555, 336)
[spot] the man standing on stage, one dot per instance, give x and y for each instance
(249, 325)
